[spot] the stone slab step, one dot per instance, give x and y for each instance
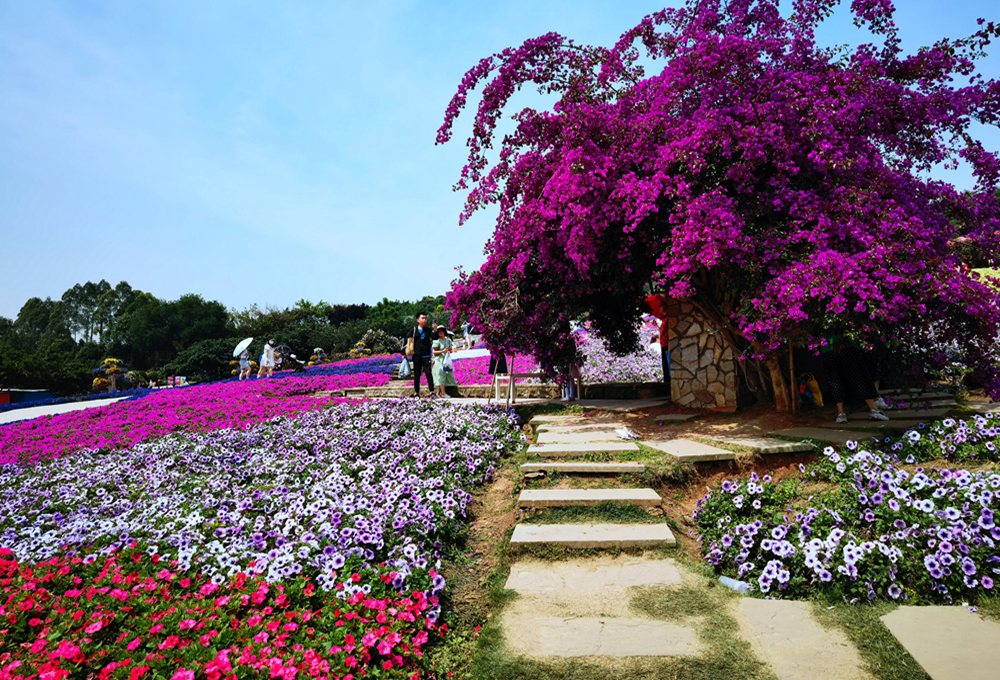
(948, 642)
(577, 437)
(571, 637)
(908, 414)
(910, 394)
(823, 434)
(531, 577)
(691, 452)
(982, 407)
(550, 498)
(797, 646)
(592, 468)
(572, 429)
(623, 405)
(561, 450)
(921, 404)
(542, 418)
(763, 445)
(894, 425)
(594, 535)
(675, 417)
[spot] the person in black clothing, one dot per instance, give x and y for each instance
(422, 361)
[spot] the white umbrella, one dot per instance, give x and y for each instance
(242, 346)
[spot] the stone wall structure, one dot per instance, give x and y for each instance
(702, 368)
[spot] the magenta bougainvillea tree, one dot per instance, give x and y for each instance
(782, 187)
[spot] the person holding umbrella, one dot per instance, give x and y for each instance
(267, 360)
(244, 354)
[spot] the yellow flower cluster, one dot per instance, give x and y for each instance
(359, 350)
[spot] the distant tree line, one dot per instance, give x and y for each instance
(55, 344)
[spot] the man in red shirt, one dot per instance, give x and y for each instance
(658, 303)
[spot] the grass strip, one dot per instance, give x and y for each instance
(880, 651)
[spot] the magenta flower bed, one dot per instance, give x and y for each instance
(475, 371)
(202, 408)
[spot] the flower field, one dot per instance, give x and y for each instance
(200, 407)
(599, 365)
(861, 525)
(298, 545)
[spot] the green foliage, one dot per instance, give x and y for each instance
(53, 344)
(205, 360)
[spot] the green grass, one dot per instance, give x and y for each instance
(881, 653)
(989, 608)
(605, 513)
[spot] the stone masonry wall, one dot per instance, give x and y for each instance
(702, 369)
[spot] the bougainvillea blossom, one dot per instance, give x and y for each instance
(780, 186)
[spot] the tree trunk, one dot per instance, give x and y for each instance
(782, 397)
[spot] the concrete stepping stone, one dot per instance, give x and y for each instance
(581, 576)
(577, 437)
(691, 452)
(763, 445)
(623, 405)
(880, 424)
(586, 427)
(675, 417)
(571, 637)
(591, 468)
(931, 414)
(550, 498)
(542, 418)
(823, 434)
(560, 450)
(594, 535)
(796, 646)
(909, 394)
(982, 407)
(949, 643)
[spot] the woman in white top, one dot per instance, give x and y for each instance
(267, 360)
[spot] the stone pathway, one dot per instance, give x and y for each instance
(796, 646)
(822, 434)
(559, 428)
(561, 450)
(894, 425)
(620, 405)
(29, 412)
(551, 498)
(763, 445)
(675, 417)
(594, 535)
(909, 414)
(691, 452)
(577, 437)
(580, 608)
(949, 643)
(985, 408)
(627, 467)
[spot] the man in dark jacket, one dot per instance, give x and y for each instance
(422, 355)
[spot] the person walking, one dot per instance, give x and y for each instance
(267, 360)
(422, 341)
(846, 374)
(245, 364)
(443, 376)
(467, 330)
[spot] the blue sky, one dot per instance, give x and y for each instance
(262, 152)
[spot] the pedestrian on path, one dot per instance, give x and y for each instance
(267, 360)
(444, 376)
(245, 364)
(467, 330)
(422, 342)
(847, 377)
